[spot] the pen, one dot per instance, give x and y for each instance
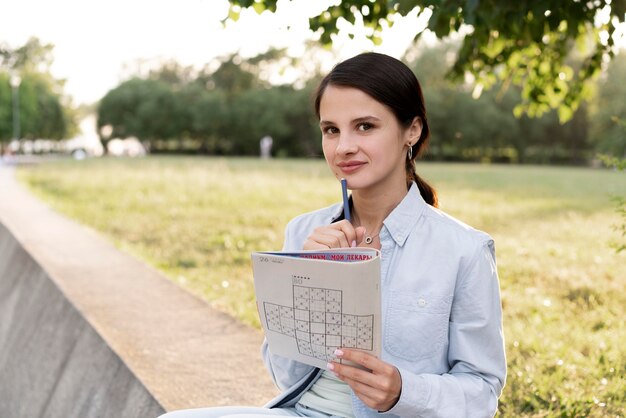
(346, 203)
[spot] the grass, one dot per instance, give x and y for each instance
(198, 219)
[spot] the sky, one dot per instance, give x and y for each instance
(100, 43)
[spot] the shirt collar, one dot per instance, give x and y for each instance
(401, 220)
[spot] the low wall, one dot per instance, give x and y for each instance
(52, 362)
(88, 331)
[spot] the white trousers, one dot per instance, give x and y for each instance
(246, 412)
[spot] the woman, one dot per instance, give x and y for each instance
(443, 351)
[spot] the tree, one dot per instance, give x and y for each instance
(146, 109)
(281, 112)
(6, 109)
(32, 56)
(208, 121)
(234, 76)
(609, 128)
(44, 113)
(224, 108)
(485, 129)
(524, 43)
(609, 133)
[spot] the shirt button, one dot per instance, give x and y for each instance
(421, 302)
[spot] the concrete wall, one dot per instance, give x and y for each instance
(52, 362)
(89, 331)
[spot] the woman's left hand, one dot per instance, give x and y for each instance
(378, 387)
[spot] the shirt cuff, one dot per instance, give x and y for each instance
(413, 397)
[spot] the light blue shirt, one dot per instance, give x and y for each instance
(442, 316)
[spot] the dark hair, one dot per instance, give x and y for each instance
(392, 83)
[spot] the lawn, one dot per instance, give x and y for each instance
(197, 220)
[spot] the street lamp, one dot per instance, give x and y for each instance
(15, 81)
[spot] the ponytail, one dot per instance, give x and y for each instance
(429, 194)
(427, 191)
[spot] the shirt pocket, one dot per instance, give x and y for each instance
(416, 325)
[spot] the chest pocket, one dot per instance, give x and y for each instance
(416, 325)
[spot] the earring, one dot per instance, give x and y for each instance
(410, 151)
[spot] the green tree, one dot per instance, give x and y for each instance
(485, 129)
(524, 43)
(282, 112)
(208, 122)
(146, 109)
(173, 74)
(44, 112)
(6, 109)
(32, 56)
(225, 108)
(234, 76)
(608, 134)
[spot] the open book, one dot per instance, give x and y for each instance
(312, 302)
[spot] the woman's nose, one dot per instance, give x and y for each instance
(347, 144)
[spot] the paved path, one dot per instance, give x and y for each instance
(184, 352)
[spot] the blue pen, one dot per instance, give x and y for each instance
(346, 202)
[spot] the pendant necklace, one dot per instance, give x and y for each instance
(368, 238)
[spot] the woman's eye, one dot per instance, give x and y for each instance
(365, 126)
(330, 130)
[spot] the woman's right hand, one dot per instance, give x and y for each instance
(336, 235)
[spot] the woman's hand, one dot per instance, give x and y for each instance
(379, 386)
(337, 235)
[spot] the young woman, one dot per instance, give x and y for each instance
(443, 351)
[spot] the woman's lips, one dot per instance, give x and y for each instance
(350, 166)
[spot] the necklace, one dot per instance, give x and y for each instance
(368, 238)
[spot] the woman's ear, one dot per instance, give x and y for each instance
(415, 130)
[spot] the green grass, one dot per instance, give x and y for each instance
(198, 219)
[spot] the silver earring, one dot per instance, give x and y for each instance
(410, 151)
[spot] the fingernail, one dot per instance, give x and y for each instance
(338, 352)
(330, 366)
(353, 243)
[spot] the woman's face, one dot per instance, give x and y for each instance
(362, 139)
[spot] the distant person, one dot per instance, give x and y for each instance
(7, 155)
(266, 146)
(442, 349)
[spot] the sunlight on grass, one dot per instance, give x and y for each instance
(198, 219)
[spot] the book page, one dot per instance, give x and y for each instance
(313, 302)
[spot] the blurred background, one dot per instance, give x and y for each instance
(193, 79)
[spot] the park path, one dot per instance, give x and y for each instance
(184, 352)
